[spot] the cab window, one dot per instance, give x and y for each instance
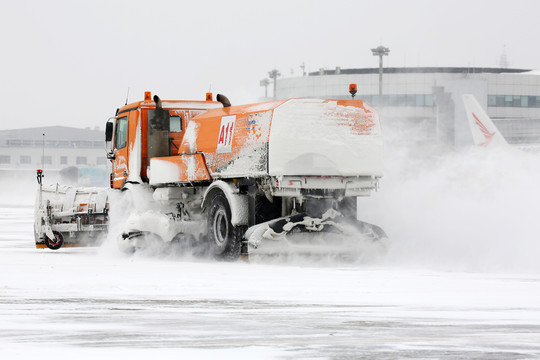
(121, 133)
(176, 123)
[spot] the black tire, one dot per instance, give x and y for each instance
(224, 239)
(56, 243)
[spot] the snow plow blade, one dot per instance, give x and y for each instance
(301, 234)
(70, 216)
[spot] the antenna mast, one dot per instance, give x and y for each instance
(39, 172)
(43, 153)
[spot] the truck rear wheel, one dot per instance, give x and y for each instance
(224, 239)
(56, 243)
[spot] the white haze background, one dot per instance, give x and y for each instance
(71, 62)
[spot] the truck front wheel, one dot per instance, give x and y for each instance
(224, 239)
(56, 243)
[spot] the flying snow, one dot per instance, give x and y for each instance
(471, 210)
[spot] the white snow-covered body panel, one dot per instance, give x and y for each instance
(321, 138)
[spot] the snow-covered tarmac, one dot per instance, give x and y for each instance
(90, 302)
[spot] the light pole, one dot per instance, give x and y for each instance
(274, 75)
(380, 51)
(265, 83)
(303, 67)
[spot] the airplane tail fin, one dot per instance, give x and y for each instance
(483, 130)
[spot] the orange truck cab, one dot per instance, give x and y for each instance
(140, 132)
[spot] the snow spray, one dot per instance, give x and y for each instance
(473, 210)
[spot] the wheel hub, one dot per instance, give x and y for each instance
(55, 241)
(221, 226)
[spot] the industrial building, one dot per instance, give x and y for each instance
(70, 154)
(424, 103)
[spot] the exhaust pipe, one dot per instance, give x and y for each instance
(223, 99)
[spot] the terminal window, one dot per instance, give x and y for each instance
(81, 160)
(63, 160)
(5, 159)
(100, 160)
(525, 101)
(46, 160)
(25, 159)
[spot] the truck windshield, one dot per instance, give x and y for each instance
(121, 133)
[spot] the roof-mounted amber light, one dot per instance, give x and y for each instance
(209, 96)
(147, 95)
(352, 90)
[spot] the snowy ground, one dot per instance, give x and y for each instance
(460, 279)
(93, 302)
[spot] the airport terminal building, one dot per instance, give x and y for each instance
(425, 104)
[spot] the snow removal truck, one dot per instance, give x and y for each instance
(270, 177)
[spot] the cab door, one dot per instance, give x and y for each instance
(120, 152)
(178, 120)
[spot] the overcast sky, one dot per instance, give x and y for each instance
(70, 63)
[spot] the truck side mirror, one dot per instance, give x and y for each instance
(109, 131)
